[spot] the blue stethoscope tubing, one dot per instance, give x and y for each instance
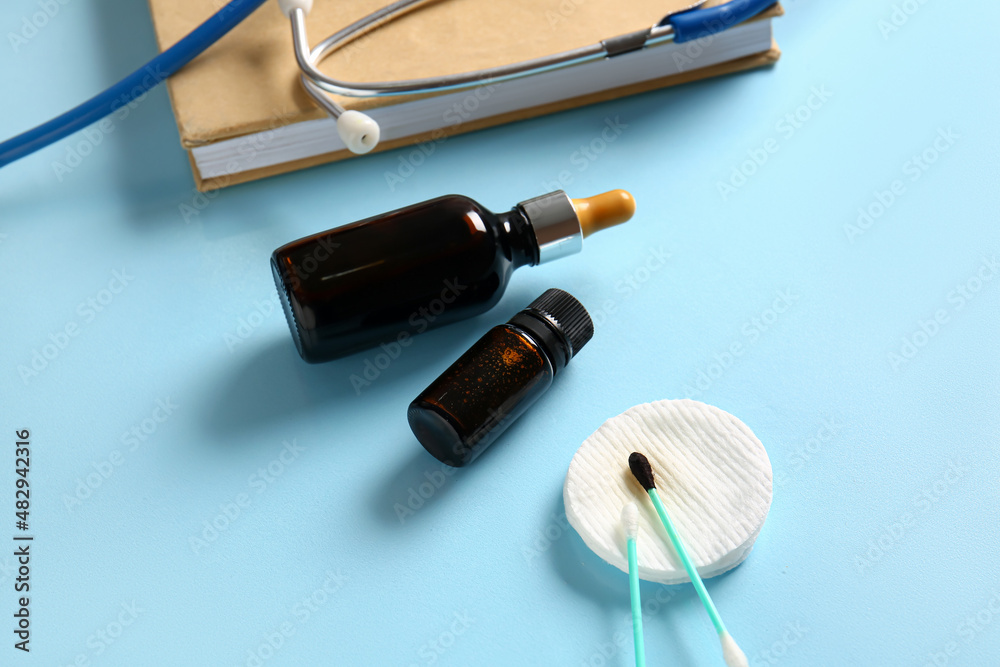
(685, 26)
(702, 22)
(134, 85)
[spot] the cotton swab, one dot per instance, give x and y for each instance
(630, 521)
(643, 472)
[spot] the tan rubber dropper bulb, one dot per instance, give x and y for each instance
(604, 210)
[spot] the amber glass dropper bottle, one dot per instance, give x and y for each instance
(386, 278)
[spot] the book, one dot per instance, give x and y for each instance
(242, 113)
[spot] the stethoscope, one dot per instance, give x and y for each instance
(360, 133)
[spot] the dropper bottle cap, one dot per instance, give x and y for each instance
(560, 223)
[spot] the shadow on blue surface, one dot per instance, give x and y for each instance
(421, 481)
(417, 487)
(271, 385)
(276, 386)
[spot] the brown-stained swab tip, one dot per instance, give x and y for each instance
(641, 470)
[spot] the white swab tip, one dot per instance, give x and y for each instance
(731, 652)
(359, 132)
(630, 520)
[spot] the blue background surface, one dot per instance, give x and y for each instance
(881, 546)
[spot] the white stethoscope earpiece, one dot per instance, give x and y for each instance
(359, 131)
(288, 6)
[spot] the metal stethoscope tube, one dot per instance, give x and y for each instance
(360, 132)
(307, 58)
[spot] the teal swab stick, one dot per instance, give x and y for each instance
(699, 585)
(633, 585)
(643, 473)
(630, 519)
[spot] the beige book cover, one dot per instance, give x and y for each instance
(249, 81)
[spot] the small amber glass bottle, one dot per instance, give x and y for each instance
(384, 279)
(462, 412)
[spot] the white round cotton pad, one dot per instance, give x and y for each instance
(712, 474)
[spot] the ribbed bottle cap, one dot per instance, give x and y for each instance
(567, 315)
